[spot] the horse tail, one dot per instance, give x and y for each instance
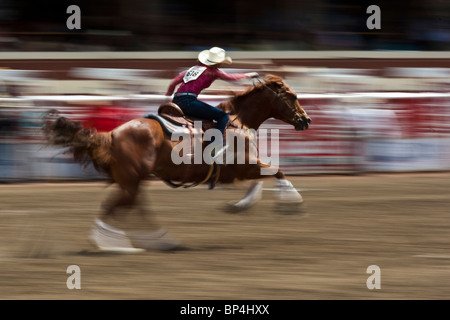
(86, 144)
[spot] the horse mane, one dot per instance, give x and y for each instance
(269, 80)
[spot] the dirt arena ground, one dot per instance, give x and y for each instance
(399, 222)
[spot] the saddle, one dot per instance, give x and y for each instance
(173, 113)
(173, 120)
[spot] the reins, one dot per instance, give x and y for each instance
(277, 94)
(266, 86)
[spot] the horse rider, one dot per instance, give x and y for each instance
(200, 77)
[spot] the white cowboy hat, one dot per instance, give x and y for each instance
(213, 56)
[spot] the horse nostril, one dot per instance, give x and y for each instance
(308, 120)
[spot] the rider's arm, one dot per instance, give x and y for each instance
(177, 80)
(234, 76)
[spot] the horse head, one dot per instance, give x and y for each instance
(284, 102)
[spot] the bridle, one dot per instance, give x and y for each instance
(296, 118)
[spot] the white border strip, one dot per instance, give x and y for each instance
(167, 55)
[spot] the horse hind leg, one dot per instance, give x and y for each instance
(110, 239)
(106, 235)
(134, 231)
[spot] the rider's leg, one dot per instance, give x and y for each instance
(221, 118)
(191, 106)
(203, 110)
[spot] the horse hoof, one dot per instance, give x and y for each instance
(110, 239)
(232, 207)
(290, 208)
(158, 240)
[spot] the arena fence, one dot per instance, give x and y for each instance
(350, 133)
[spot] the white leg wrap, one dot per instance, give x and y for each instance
(156, 240)
(253, 195)
(109, 238)
(287, 192)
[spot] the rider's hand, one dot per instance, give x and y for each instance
(252, 75)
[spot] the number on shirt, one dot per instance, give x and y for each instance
(193, 73)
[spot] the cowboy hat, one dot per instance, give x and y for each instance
(213, 56)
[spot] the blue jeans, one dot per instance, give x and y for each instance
(191, 106)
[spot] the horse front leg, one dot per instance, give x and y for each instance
(253, 195)
(289, 200)
(286, 192)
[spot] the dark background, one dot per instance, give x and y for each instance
(143, 25)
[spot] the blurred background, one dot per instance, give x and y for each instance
(379, 99)
(138, 25)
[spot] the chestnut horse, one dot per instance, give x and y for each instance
(139, 148)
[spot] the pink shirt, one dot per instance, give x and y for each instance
(200, 77)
